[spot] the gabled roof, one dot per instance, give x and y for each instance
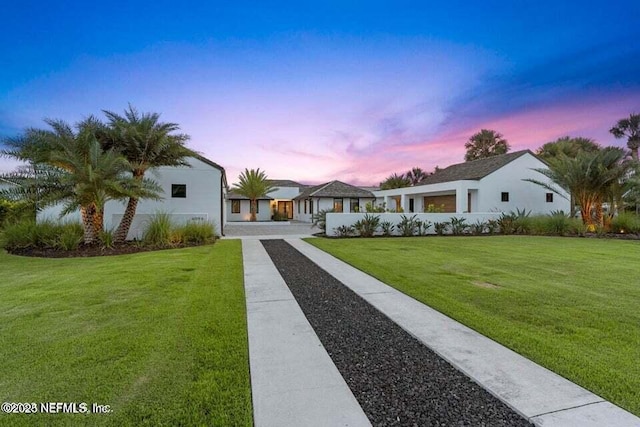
(473, 170)
(284, 183)
(334, 189)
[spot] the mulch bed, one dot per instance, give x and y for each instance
(92, 250)
(397, 380)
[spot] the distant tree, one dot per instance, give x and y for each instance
(629, 128)
(395, 181)
(486, 143)
(568, 146)
(253, 185)
(415, 175)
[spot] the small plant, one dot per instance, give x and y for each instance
(423, 227)
(458, 226)
(440, 227)
(106, 239)
(373, 208)
(344, 230)
(368, 225)
(159, 230)
(197, 233)
(492, 226)
(478, 227)
(320, 219)
(522, 223)
(431, 208)
(408, 226)
(277, 216)
(506, 223)
(70, 236)
(387, 228)
(625, 222)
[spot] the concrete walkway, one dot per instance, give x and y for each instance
(294, 382)
(268, 230)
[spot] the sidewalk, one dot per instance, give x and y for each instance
(294, 381)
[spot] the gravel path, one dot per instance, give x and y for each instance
(396, 379)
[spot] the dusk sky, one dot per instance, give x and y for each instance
(318, 91)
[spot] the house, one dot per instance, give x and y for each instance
(494, 184)
(334, 195)
(195, 193)
(279, 201)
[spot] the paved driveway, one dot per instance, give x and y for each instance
(246, 230)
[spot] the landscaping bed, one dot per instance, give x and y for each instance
(93, 250)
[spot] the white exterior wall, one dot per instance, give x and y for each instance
(486, 193)
(264, 211)
(203, 199)
(335, 220)
(522, 194)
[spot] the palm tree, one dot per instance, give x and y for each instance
(589, 177)
(146, 143)
(395, 181)
(416, 175)
(486, 143)
(253, 184)
(568, 146)
(629, 128)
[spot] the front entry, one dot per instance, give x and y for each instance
(285, 209)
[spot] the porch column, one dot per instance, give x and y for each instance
(461, 199)
(387, 202)
(403, 203)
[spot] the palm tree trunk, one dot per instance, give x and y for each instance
(126, 221)
(252, 209)
(98, 222)
(87, 213)
(634, 153)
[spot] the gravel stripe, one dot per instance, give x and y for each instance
(396, 379)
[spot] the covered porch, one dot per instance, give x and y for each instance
(459, 198)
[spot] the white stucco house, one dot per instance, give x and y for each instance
(280, 200)
(195, 193)
(494, 184)
(336, 195)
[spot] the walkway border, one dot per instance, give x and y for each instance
(293, 380)
(540, 395)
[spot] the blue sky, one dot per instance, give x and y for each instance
(353, 91)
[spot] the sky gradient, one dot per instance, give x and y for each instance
(344, 90)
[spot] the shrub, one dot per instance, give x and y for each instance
(478, 227)
(492, 226)
(70, 236)
(277, 216)
(372, 208)
(458, 226)
(387, 228)
(440, 227)
(625, 222)
(42, 235)
(408, 226)
(320, 219)
(368, 225)
(423, 227)
(196, 232)
(344, 230)
(506, 223)
(159, 230)
(431, 208)
(15, 211)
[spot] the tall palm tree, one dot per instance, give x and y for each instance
(630, 128)
(486, 143)
(146, 143)
(568, 146)
(395, 181)
(589, 177)
(253, 185)
(416, 175)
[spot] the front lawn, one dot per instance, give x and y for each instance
(160, 337)
(570, 304)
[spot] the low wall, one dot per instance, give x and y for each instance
(335, 220)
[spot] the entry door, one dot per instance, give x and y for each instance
(285, 209)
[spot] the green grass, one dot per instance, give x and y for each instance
(570, 304)
(159, 336)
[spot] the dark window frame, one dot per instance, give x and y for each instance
(178, 191)
(234, 203)
(310, 206)
(335, 201)
(504, 196)
(352, 205)
(549, 197)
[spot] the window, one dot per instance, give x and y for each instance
(354, 205)
(257, 206)
(311, 206)
(410, 205)
(235, 206)
(505, 196)
(337, 205)
(179, 190)
(298, 202)
(305, 206)
(549, 197)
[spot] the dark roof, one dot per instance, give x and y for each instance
(284, 183)
(473, 170)
(334, 189)
(236, 196)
